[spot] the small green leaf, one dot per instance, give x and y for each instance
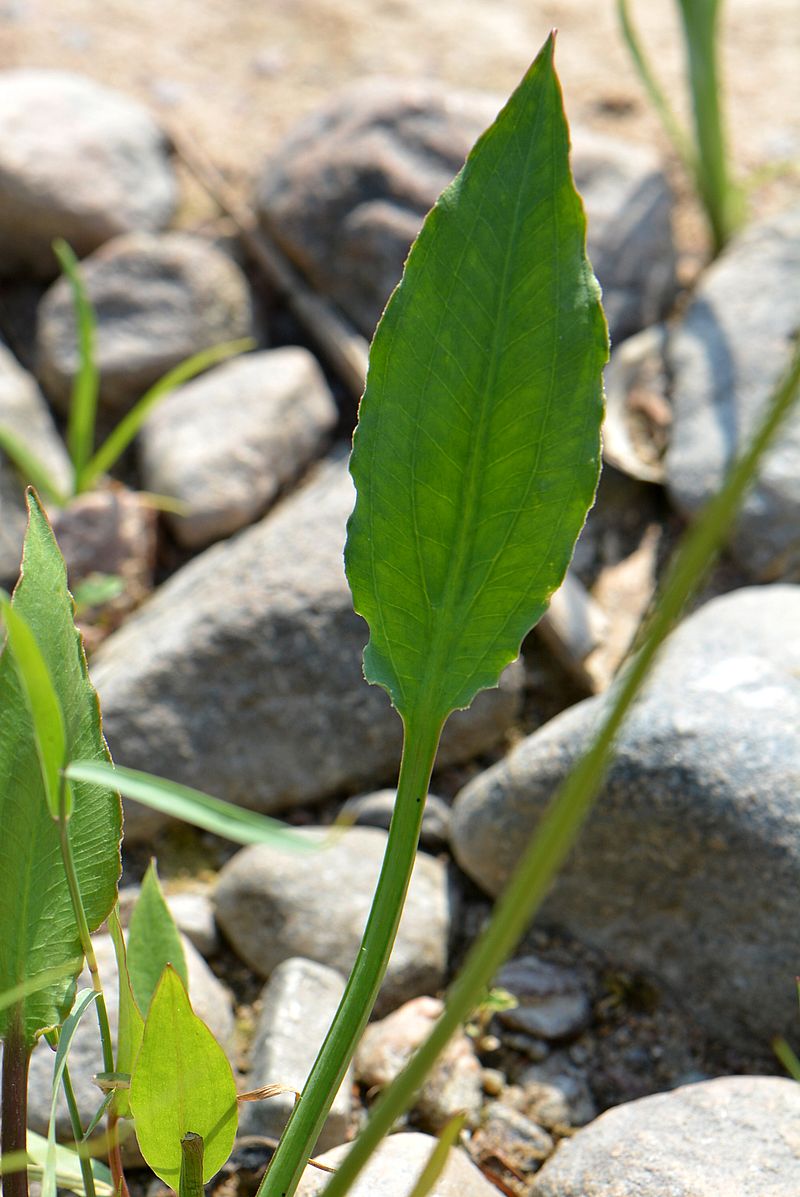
(192, 806)
(153, 942)
(131, 1023)
(38, 930)
(477, 451)
(43, 705)
(182, 1082)
(96, 590)
(86, 385)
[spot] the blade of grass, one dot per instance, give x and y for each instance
(672, 126)
(562, 822)
(438, 1157)
(31, 469)
(117, 442)
(82, 1003)
(86, 385)
(192, 806)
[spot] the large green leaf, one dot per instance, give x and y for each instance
(182, 1082)
(477, 451)
(37, 924)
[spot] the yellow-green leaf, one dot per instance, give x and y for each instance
(182, 1082)
(153, 941)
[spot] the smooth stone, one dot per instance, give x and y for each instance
(724, 359)
(453, 1085)
(552, 1002)
(24, 412)
(689, 863)
(78, 161)
(394, 1168)
(211, 1001)
(298, 1005)
(376, 809)
(738, 1136)
(272, 905)
(225, 444)
(346, 193)
(194, 917)
(242, 675)
(159, 298)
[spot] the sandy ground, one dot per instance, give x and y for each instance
(238, 73)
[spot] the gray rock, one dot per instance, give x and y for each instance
(555, 1093)
(552, 1002)
(454, 1083)
(226, 443)
(24, 413)
(725, 358)
(78, 161)
(737, 1135)
(395, 1167)
(158, 298)
(242, 675)
(298, 1005)
(347, 191)
(194, 917)
(690, 861)
(271, 908)
(375, 810)
(210, 1001)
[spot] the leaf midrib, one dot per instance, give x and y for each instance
(444, 630)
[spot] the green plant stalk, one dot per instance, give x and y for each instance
(309, 1114)
(563, 820)
(719, 195)
(190, 1183)
(86, 387)
(77, 1131)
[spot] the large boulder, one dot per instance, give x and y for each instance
(738, 1136)
(346, 192)
(689, 865)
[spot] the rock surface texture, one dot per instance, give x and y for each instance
(297, 1007)
(242, 675)
(690, 862)
(24, 413)
(347, 191)
(395, 1167)
(78, 161)
(725, 358)
(158, 300)
(224, 444)
(273, 905)
(737, 1135)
